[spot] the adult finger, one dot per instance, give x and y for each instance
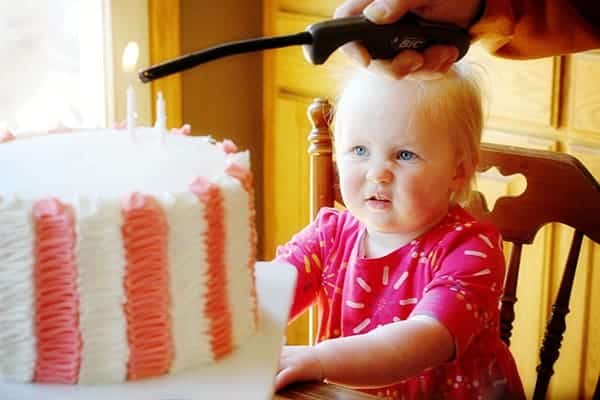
(438, 56)
(357, 52)
(437, 61)
(404, 63)
(350, 8)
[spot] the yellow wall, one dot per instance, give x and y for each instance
(223, 98)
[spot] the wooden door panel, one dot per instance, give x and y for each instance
(516, 90)
(584, 108)
(286, 175)
(286, 185)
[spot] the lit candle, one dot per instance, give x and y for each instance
(129, 60)
(161, 112)
(130, 107)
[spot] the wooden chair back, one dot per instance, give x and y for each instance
(559, 189)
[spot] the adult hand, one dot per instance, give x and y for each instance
(298, 363)
(432, 62)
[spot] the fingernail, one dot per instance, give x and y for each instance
(406, 62)
(375, 11)
(411, 62)
(416, 65)
(446, 63)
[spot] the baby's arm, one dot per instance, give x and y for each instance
(381, 357)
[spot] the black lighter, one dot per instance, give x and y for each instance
(321, 39)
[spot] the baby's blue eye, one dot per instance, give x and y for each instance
(359, 150)
(406, 155)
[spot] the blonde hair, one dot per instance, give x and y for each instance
(457, 96)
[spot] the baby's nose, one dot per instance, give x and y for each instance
(379, 174)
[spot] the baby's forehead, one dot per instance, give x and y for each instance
(368, 94)
(372, 100)
(370, 88)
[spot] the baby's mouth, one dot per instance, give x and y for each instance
(378, 197)
(378, 202)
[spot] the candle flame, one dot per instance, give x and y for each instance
(130, 56)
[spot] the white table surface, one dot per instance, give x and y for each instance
(248, 373)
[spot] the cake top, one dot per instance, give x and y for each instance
(110, 163)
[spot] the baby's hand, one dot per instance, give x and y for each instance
(298, 363)
(434, 61)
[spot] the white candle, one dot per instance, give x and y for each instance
(130, 108)
(161, 112)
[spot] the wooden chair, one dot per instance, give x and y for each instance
(555, 182)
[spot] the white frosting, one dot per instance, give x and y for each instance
(237, 253)
(187, 280)
(101, 269)
(106, 163)
(93, 171)
(17, 340)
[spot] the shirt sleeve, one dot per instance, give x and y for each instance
(524, 29)
(305, 251)
(468, 278)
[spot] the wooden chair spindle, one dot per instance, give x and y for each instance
(557, 325)
(321, 161)
(509, 298)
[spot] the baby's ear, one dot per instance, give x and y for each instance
(462, 175)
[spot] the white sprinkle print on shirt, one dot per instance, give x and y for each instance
(386, 275)
(486, 271)
(475, 253)
(361, 282)
(352, 304)
(400, 280)
(405, 302)
(358, 328)
(486, 240)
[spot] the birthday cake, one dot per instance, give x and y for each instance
(124, 254)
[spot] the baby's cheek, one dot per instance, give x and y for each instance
(427, 184)
(350, 186)
(412, 186)
(421, 198)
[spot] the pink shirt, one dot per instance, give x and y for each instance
(453, 273)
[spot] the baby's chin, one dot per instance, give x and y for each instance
(404, 232)
(387, 230)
